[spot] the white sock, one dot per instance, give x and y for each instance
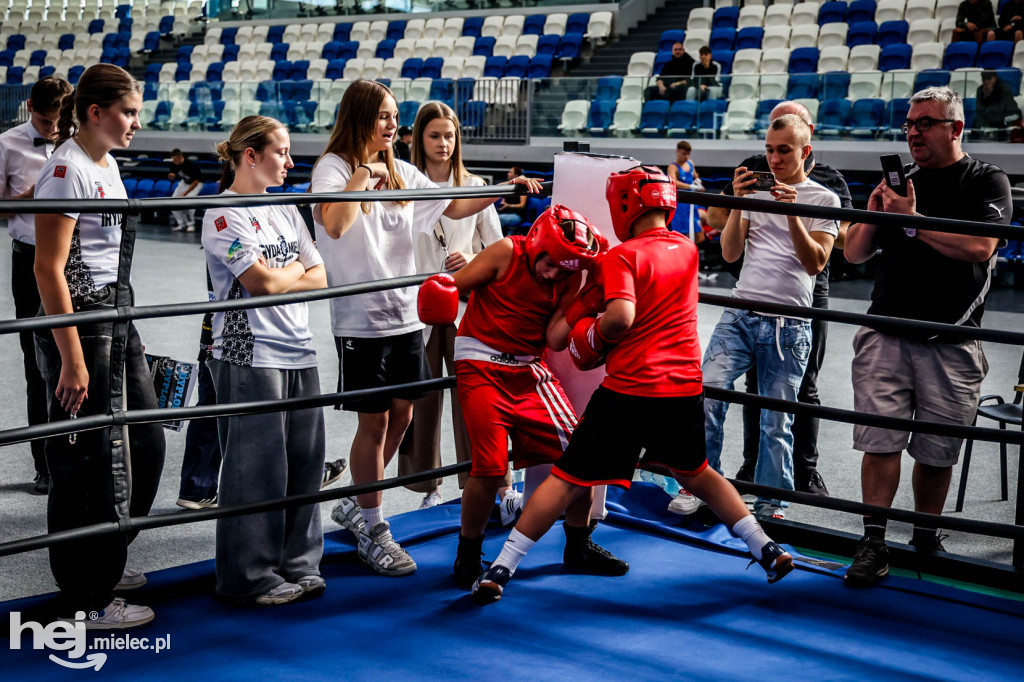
(750, 531)
(372, 516)
(514, 551)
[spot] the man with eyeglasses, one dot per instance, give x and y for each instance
(931, 276)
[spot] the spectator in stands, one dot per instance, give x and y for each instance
(23, 151)
(807, 478)
(450, 246)
(784, 254)
(402, 146)
(265, 354)
(103, 475)
(975, 21)
(705, 78)
(996, 107)
(186, 173)
(512, 213)
(922, 275)
(1011, 21)
(674, 78)
(378, 335)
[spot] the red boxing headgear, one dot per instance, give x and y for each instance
(633, 192)
(567, 237)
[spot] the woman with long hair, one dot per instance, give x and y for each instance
(263, 354)
(378, 335)
(101, 475)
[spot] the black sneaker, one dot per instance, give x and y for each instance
(467, 562)
(775, 561)
(815, 485)
(745, 475)
(333, 471)
(41, 484)
(488, 587)
(929, 544)
(870, 563)
(583, 555)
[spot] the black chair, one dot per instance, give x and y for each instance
(995, 408)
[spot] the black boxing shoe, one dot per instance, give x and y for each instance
(775, 561)
(488, 587)
(870, 563)
(467, 566)
(583, 555)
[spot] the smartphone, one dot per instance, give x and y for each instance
(764, 181)
(892, 168)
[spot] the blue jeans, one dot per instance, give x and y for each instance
(779, 348)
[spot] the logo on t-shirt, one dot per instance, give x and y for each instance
(255, 223)
(60, 171)
(99, 188)
(235, 250)
(220, 223)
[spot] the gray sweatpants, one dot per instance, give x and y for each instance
(268, 456)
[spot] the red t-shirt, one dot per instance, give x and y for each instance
(511, 314)
(660, 354)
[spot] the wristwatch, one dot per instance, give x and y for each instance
(910, 231)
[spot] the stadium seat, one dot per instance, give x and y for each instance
(600, 117)
(627, 118)
(540, 66)
(653, 117)
(548, 44)
(669, 38)
(709, 116)
(805, 36)
(739, 119)
(802, 86)
(803, 60)
(832, 13)
(865, 118)
(701, 18)
(722, 38)
(960, 55)
(484, 46)
(775, 38)
(534, 25)
(574, 116)
(931, 78)
(682, 118)
(834, 85)
(833, 58)
(926, 56)
(892, 32)
(495, 66)
(517, 66)
(749, 38)
(895, 57)
(995, 54)
(861, 33)
(723, 17)
(894, 116)
(570, 46)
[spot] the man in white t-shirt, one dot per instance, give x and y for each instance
(782, 256)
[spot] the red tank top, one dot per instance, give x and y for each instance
(511, 314)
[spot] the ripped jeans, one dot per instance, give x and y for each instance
(779, 347)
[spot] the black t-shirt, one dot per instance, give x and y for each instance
(402, 151)
(827, 177)
(709, 73)
(676, 69)
(916, 282)
(186, 172)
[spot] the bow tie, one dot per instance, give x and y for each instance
(40, 141)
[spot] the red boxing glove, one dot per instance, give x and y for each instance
(587, 346)
(588, 303)
(438, 300)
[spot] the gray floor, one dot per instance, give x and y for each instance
(169, 268)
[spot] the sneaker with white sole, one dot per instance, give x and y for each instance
(282, 594)
(685, 503)
(490, 585)
(311, 585)
(379, 551)
(118, 615)
(131, 579)
(205, 503)
(431, 499)
(333, 471)
(348, 515)
(510, 507)
(776, 562)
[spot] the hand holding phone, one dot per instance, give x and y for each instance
(892, 169)
(764, 181)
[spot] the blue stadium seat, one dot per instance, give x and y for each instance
(335, 69)
(65, 42)
(653, 117)
(166, 25)
(153, 72)
(230, 54)
(601, 113)
(282, 70)
(494, 67)
(184, 54)
(960, 55)
(1012, 79)
(670, 38)
(682, 117)
(802, 86)
(15, 75)
(144, 188)
(151, 42)
(443, 90)
(122, 56)
(271, 110)
(895, 57)
(895, 114)
(833, 116)
(129, 183)
(722, 38)
(724, 59)
(865, 117)
(150, 91)
(473, 114)
(342, 32)
(548, 44)
(540, 66)
(570, 46)
(396, 30)
(517, 66)
(332, 49)
(386, 82)
(861, 33)
(17, 42)
(110, 40)
(74, 73)
(835, 85)
(832, 13)
(534, 25)
(162, 188)
(464, 89)
(708, 111)
(764, 110)
(577, 23)
(275, 34)
(929, 78)
(970, 108)
(749, 38)
(803, 60)
(38, 58)
(279, 51)
(411, 67)
(995, 54)
(209, 189)
(608, 87)
(432, 67)
(660, 60)
(386, 49)
(95, 26)
(484, 46)
(349, 49)
(122, 40)
(7, 58)
(183, 72)
(123, 11)
(725, 17)
(45, 71)
(107, 56)
(892, 32)
(298, 71)
(861, 10)
(227, 35)
(407, 111)
(472, 26)
(125, 25)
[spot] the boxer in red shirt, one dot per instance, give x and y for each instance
(652, 398)
(520, 286)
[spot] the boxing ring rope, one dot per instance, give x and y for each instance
(133, 207)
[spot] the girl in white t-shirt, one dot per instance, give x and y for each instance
(93, 479)
(379, 335)
(265, 354)
(437, 152)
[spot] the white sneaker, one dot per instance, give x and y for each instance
(380, 552)
(432, 499)
(348, 515)
(511, 505)
(685, 503)
(131, 579)
(118, 615)
(311, 584)
(282, 594)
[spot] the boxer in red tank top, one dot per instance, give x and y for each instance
(519, 287)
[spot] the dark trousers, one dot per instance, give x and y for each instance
(26, 304)
(97, 479)
(200, 466)
(805, 429)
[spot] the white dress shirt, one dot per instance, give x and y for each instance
(21, 159)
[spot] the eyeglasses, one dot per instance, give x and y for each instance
(923, 124)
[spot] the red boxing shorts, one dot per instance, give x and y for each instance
(524, 402)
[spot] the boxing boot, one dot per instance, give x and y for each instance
(585, 556)
(467, 561)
